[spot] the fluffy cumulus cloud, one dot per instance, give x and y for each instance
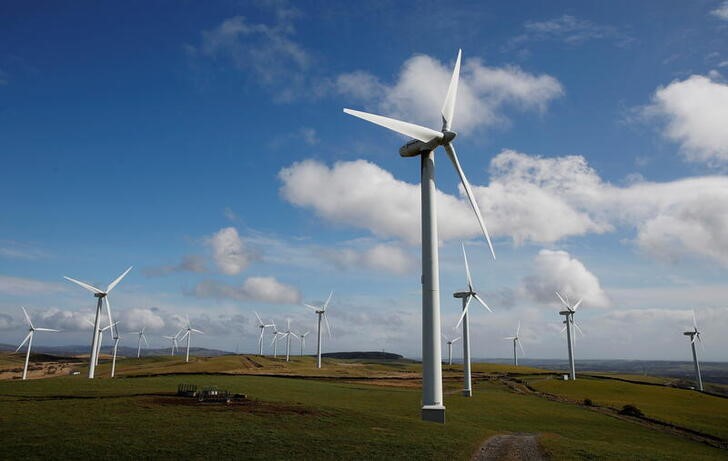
(484, 92)
(558, 270)
(380, 257)
(529, 199)
(695, 111)
(138, 318)
(721, 12)
(229, 251)
(264, 289)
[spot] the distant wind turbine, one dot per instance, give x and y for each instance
(516, 340)
(262, 325)
(693, 334)
(287, 334)
(425, 142)
(449, 347)
(101, 295)
(188, 335)
(173, 340)
(321, 312)
(29, 340)
(302, 340)
(274, 343)
(141, 335)
(570, 333)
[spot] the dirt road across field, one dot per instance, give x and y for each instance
(510, 447)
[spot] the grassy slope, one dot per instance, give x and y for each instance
(341, 420)
(683, 407)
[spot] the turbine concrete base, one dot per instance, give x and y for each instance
(467, 393)
(433, 413)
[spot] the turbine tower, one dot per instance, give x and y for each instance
(693, 334)
(274, 343)
(449, 347)
(115, 332)
(516, 340)
(262, 327)
(173, 340)
(139, 340)
(321, 312)
(570, 333)
(467, 296)
(188, 335)
(29, 339)
(288, 335)
(423, 145)
(101, 295)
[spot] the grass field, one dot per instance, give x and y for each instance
(337, 415)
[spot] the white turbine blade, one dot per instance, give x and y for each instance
(30, 333)
(108, 309)
(466, 185)
(328, 327)
(562, 300)
(89, 322)
(328, 300)
(509, 338)
(482, 302)
(456, 339)
(465, 311)
(579, 329)
(518, 329)
(695, 323)
(519, 345)
(260, 322)
(197, 331)
(45, 329)
(184, 335)
(576, 306)
(448, 107)
(145, 340)
(408, 129)
(467, 268)
(85, 285)
(443, 336)
(118, 279)
(563, 329)
(27, 317)
(692, 340)
(310, 307)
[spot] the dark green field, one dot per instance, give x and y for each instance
(347, 410)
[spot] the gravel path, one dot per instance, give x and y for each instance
(510, 447)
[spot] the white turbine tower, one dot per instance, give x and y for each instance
(274, 343)
(693, 334)
(423, 145)
(141, 336)
(570, 333)
(288, 333)
(115, 332)
(101, 295)
(188, 335)
(449, 347)
(100, 334)
(262, 327)
(321, 312)
(516, 340)
(302, 340)
(29, 340)
(466, 297)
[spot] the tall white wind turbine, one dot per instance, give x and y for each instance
(115, 333)
(101, 295)
(693, 334)
(29, 340)
(466, 297)
(516, 340)
(173, 341)
(425, 141)
(321, 312)
(262, 325)
(449, 347)
(188, 335)
(569, 323)
(141, 336)
(287, 334)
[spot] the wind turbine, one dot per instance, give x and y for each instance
(139, 340)
(101, 295)
(188, 335)
(321, 312)
(29, 340)
(449, 347)
(274, 343)
(302, 340)
(467, 296)
(423, 145)
(288, 333)
(516, 340)
(570, 334)
(173, 339)
(115, 332)
(100, 334)
(262, 327)
(694, 334)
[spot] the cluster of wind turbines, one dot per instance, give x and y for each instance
(277, 334)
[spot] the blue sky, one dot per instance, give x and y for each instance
(206, 146)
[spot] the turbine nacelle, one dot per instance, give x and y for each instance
(416, 147)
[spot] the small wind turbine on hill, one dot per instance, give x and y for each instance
(276, 334)
(516, 340)
(115, 332)
(101, 295)
(570, 333)
(188, 335)
(695, 334)
(29, 340)
(321, 312)
(425, 142)
(302, 340)
(449, 347)
(262, 327)
(288, 333)
(139, 340)
(173, 340)
(467, 296)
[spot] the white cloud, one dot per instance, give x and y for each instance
(137, 318)
(558, 270)
(529, 199)
(695, 110)
(229, 251)
(721, 12)
(568, 29)
(265, 289)
(484, 92)
(23, 286)
(379, 257)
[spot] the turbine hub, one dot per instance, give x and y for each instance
(448, 136)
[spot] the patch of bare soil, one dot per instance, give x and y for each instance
(256, 407)
(39, 370)
(510, 447)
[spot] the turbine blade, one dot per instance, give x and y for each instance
(27, 317)
(45, 329)
(465, 311)
(467, 268)
(563, 329)
(85, 285)
(562, 300)
(310, 307)
(480, 300)
(260, 322)
(448, 107)
(518, 329)
(108, 309)
(695, 323)
(118, 279)
(579, 329)
(521, 347)
(197, 331)
(509, 338)
(328, 327)
(576, 306)
(466, 185)
(408, 129)
(30, 333)
(456, 339)
(145, 340)
(328, 300)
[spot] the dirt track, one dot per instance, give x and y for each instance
(510, 447)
